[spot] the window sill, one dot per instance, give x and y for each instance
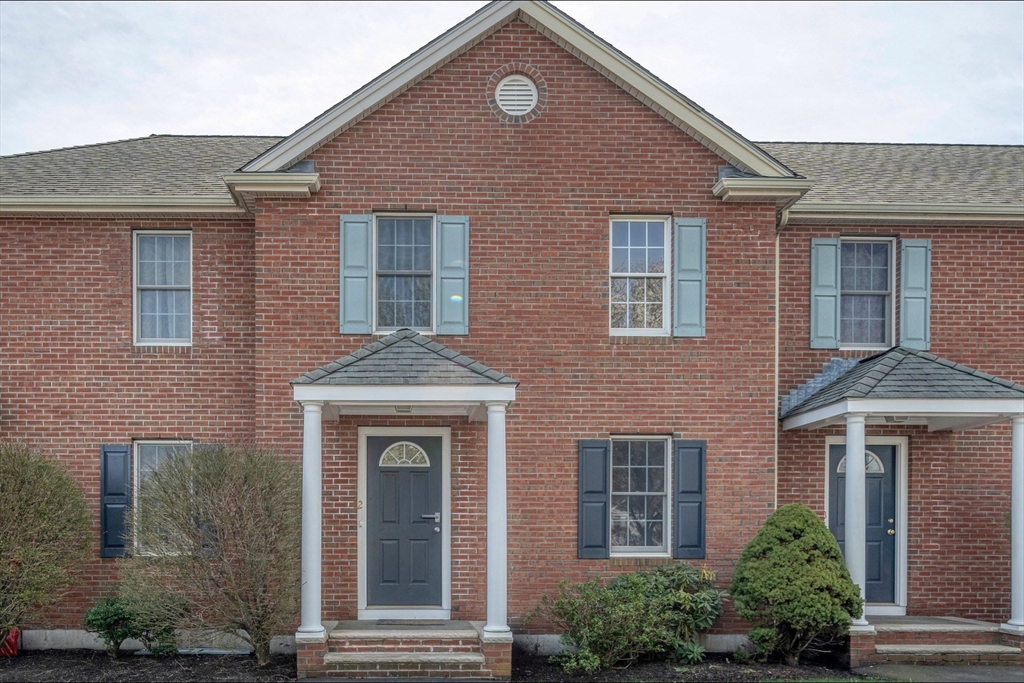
(645, 340)
(638, 560)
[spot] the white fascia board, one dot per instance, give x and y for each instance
(107, 204)
(395, 80)
(829, 212)
(286, 184)
(997, 408)
(405, 394)
(706, 128)
(761, 189)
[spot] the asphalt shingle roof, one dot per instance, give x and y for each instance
(160, 165)
(903, 373)
(905, 174)
(405, 357)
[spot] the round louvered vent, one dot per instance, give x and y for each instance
(516, 95)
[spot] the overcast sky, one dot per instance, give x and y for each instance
(78, 73)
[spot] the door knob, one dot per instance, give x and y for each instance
(892, 532)
(436, 517)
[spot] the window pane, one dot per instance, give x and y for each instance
(848, 255)
(636, 534)
(618, 315)
(637, 317)
(655, 234)
(637, 234)
(863, 255)
(637, 260)
(386, 313)
(422, 259)
(637, 290)
(421, 289)
(656, 479)
(880, 255)
(880, 279)
(403, 258)
(637, 479)
(656, 453)
(385, 231)
(403, 314)
(655, 313)
(655, 535)
(620, 453)
(620, 479)
(422, 230)
(422, 317)
(403, 232)
(620, 234)
(385, 257)
(620, 260)
(638, 453)
(656, 260)
(655, 507)
(386, 288)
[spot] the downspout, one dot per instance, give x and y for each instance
(775, 397)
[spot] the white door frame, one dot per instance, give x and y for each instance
(899, 608)
(408, 612)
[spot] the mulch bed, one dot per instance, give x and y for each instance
(75, 666)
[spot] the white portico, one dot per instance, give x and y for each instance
(903, 387)
(405, 374)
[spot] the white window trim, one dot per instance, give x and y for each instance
(666, 306)
(384, 331)
(136, 308)
(135, 477)
(890, 323)
(667, 528)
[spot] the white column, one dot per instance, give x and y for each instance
(1016, 622)
(497, 513)
(311, 627)
(856, 505)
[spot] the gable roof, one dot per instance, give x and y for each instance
(899, 373)
(563, 30)
(404, 357)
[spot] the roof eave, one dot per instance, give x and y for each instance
(816, 213)
(939, 413)
(119, 205)
(784, 192)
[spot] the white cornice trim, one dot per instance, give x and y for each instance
(562, 30)
(940, 413)
(113, 204)
(376, 395)
(834, 212)
(784, 191)
(280, 184)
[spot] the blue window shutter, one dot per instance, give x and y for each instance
(825, 255)
(690, 277)
(915, 293)
(452, 275)
(594, 535)
(115, 498)
(689, 499)
(356, 274)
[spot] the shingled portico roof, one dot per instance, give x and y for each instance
(905, 386)
(406, 373)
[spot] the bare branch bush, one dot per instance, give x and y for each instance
(217, 533)
(44, 533)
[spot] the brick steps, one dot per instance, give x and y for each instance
(936, 640)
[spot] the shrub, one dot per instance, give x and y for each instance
(634, 615)
(116, 620)
(791, 584)
(44, 533)
(218, 530)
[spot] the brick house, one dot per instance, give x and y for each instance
(525, 313)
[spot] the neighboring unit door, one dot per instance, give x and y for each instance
(404, 530)
(880, 538)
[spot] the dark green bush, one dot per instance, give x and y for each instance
(116, 620)
(792, 585)
(652, 612)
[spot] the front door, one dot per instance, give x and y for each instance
(403, 520)
(880, 491)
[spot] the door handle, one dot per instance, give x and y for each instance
(892, 532)
(436, 517)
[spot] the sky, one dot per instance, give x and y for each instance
(81, 73)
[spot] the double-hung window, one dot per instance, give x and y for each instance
(163, 288)
(149, 457)
(855, 298)
(405, 272)
(639, 284)
(641, 495)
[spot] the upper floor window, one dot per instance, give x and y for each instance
(639, 285)
(865, 298)
(163, 288)
(405, 272)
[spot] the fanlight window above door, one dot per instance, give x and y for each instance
(404, 454)
(872, 465)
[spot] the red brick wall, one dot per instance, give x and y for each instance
(959, 482)
(539, 197)
(70, 378)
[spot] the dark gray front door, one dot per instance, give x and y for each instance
(404, 529)
(880, 539)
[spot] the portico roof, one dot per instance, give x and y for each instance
(405, 373)
(903, 386)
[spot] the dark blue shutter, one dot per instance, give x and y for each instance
(452, 275)
(915, 293)
(594, 537)
(689, 501)
(825, 260)
(356, 274)
(690, 277)
(115, 498)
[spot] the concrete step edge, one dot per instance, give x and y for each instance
(940, 649)
(403, 658)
